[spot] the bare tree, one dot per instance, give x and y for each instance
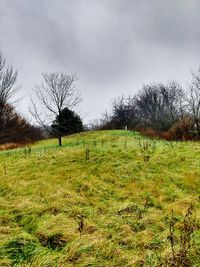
(8, 79)
(123, 115)
(124, 112)
(193, 100)
(159, 105)
(55, 93)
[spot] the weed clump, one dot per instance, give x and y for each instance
(181, 245)
(87, 153)
(147, 148)
(26, 150)
(80, 224)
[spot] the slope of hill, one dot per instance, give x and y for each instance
(103, 199)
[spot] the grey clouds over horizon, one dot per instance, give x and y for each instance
(115, 46)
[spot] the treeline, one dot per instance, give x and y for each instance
(164, 110)
(161, 110)
(13, 128)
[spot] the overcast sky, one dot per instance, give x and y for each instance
(115, 46)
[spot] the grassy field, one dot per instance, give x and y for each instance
(103, 199)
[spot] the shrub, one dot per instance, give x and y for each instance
(147, 131)
(183, 129)
(15, 129)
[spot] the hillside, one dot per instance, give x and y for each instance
(103, 199)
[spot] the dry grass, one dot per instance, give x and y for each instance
(9, 146)
(61, 208)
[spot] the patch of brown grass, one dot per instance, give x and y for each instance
(9, 146)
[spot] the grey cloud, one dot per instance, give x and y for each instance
(114, 45)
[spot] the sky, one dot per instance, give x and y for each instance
(114, 46)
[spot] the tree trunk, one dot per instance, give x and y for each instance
(60, 140)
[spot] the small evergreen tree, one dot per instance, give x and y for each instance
(68, 122)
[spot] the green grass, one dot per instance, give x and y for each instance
(125, 192)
